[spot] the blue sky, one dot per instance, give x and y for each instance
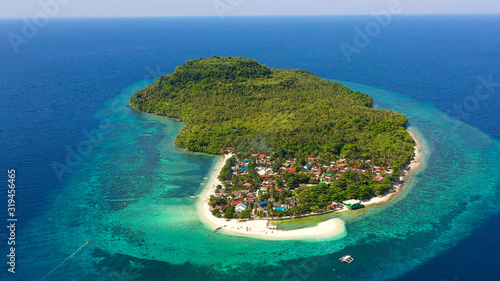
(145, 8)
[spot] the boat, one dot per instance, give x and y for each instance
(193, 196)
(217, 228)
(346, 259)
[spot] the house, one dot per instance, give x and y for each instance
(262, 156)
(264, 176)
(240, 207)
(235, 202)
(291, 170)
(282, 208)
(336, 205)
(353, 204)
(263, 203)
(230, 148)
(247, 184)
(240, 192)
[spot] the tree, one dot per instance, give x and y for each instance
(229, 213)
(245, 214)
(216, 213)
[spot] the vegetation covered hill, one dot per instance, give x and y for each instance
(287, 113)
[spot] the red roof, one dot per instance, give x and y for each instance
(265, 176)
(378, 170)
(318, 173)
(235, 202)
(247, 184)
(291, 169)
(277, 189)
(262, 156)
(341, 165)
(355, 169)
(230, 148)
(379, 178)
(310, 158)
(303, 187)
(275, 176)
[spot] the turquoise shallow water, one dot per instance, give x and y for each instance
(130, 195)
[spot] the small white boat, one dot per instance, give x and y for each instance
(346, 259)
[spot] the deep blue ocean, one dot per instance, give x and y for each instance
(74, 76)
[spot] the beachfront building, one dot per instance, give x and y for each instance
(353, 204)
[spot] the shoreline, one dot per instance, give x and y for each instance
(329, 229)
(414, 165)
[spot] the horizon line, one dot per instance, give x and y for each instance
(245, 16)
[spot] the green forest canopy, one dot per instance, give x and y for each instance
(238, 102)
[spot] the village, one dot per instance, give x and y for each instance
(260, 186)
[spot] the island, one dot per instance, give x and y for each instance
(294, 144)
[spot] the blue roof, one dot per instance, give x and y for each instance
(244, 169)
(262, 203)
(280, 208)
(246, 159)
